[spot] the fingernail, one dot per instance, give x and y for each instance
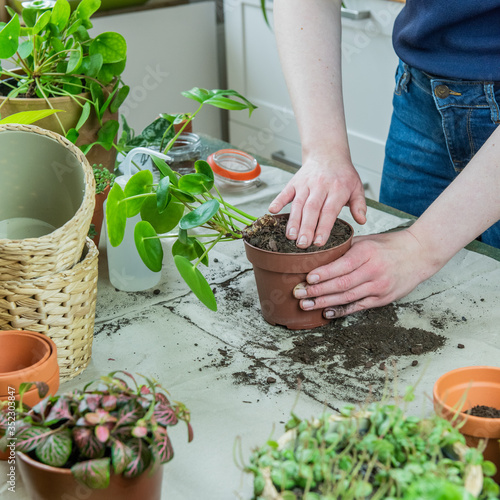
(329, 314)
(302, 241)
(292, 232)
(318, 241)
(273, 207)
(300, 291)
(313, 278)
(307, 304)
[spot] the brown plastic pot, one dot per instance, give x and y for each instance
(98, 216)
(276, 275)
(460, 390)
(44, 482)
(26, 357)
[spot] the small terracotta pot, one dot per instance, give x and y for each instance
(26, 357)
(44, 482)
(460, 390)
(98, 216)
(276, 275)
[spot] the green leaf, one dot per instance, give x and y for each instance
(75, 59)
(97, 95)
(55, 449)
(120, 97)
(60, 14)
(185, 249)
(74, 28)
(197, 94)
(162, 194)
(93, 473)
(196, 282)
(72, 85)
(226, 103)
(116, 215)
(201, 250)
(83, 117)
(86, 8)
(139, 183)
(181, 195)
(202, 167)
(121, 455)
(148, 245)
(165, 221)
(91, 65)
(9, 38)
(72, 136)
(107, 133)
(25, 48)
(200, 215)
(28, 117)
(141, 458)
(109, 71)
(195, 183)
(29, 438)
(41, 22)
(165, 170)
(112, 46)
(30, 17)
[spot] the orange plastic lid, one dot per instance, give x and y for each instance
(234, 164)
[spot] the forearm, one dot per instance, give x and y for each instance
(469, 206)
(308, 33)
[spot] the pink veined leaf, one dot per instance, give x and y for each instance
(109, 402)
(129, 414)
(140, 431)
(165, 415)
(145, 390)
(140, 459)
(164, 447)
(102, 433)
(87, 442)
(93, 473)
(55, 448)
(162, 398)
(99, 417)
(92, 401)
(30, 437)
(41, 407)
(60, 411)
(121, 455)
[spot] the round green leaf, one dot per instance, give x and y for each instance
(202, 167)
(195, 183)
(112, 46)
(41, 21)
(116, 215)
(93, 473)
(165, 221)
(196, 282)
(25, 49)
(86, 8)
(181, 195)
(139, 183)
(60, 14)
(200, 250)
(148, 245)
(199, 216)
(9, 38)
(185, 249)
(91, 65)
(75, 58)
(108, 71)
(72, 84)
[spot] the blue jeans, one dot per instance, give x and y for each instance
(437, 126)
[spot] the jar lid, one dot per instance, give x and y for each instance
(234, 164)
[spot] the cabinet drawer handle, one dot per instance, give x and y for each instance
(356, 15)
(280, 156)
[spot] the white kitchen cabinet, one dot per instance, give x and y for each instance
(369, 63)
(170, 49)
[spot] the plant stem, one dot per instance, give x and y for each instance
(40, 88)
(176, 136)
(208, 250)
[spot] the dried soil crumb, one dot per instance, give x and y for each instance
(483, 411)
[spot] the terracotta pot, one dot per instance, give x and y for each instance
(26, 357)
(276, 275)
(44, 482)
(69, 119)
(460, 390)
(98, 216)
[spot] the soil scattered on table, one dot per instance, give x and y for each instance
(269, 233)
(483, 411)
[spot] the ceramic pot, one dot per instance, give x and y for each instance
(276, 275)
(98, 216)
(44, 482)
(460, 390)
(69, 119)
(26, 357)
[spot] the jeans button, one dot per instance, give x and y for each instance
(442, 91)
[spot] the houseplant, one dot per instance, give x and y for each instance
(58, 65)
(375, 453)
(462, 396)
(103, 181)
(109, 438)
(209, 219)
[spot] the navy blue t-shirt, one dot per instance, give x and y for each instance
(450, 38)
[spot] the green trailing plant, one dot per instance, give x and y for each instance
(103, 178)
(190, 202)
(376, 453)
(54, 55)
(114, 425)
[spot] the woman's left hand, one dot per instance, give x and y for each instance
(375, 271)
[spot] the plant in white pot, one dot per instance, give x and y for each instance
(58, 65)
(107, 440)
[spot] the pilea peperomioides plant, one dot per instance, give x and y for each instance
(114, 425)
(190, 202)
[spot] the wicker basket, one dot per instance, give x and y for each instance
(61, 305)
(43, 170)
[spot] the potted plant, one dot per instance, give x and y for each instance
(470, 398)
(107, 440)
(209, 220)
(374, 453)
(103, 181)
(58, 65)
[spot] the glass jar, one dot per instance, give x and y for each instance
(185, 151)
(234, 168)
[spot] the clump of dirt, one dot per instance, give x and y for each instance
(483, 411)
(269, 233)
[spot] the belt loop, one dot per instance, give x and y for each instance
(489, 90)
